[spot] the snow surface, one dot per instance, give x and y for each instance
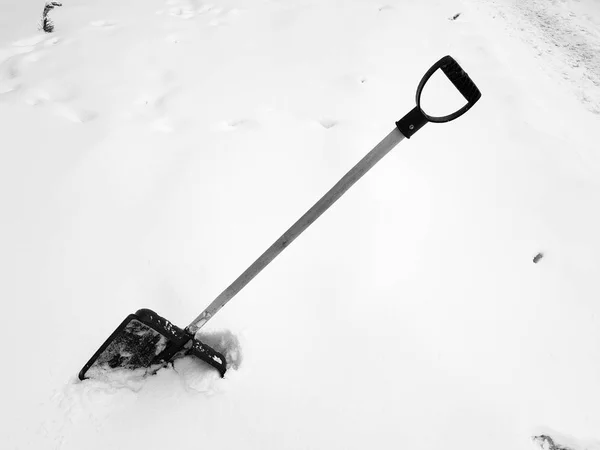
(151, 150)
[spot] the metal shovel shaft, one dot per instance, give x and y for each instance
(362, 167)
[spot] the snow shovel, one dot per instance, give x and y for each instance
(147, 341)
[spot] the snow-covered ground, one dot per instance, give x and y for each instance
(151, 150)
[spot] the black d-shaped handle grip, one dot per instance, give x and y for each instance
(416, 118)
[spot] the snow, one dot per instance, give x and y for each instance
(151, 150)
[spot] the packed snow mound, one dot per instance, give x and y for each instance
(194, 373)
(225, 342)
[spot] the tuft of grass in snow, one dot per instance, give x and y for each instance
(547, 443)
(47, 24)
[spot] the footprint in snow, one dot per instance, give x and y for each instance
(327, 123)
(187, 9)
(49, 91)
(74, 115)
(173, 39)
(8, 86)
(182, 13)
(39, 97)
(30, 42)
(224, 17)
(50, 42)
(56, 96)
(9, 56)
(103, 24)
(155, 93)
(233, 125)
(15, 58)
(183, 9)
(23, 49)
(204, 9)
(9, 71)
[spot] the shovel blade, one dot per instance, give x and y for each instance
(145, 340)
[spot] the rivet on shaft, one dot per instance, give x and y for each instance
(411, 127)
